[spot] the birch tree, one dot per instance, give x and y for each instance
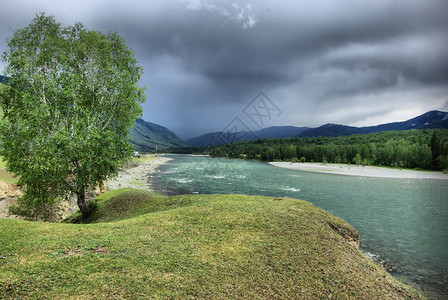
(73, 97)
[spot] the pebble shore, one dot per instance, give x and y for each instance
(136, 177)
(366, 171)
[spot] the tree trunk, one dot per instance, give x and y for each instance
(82, 204)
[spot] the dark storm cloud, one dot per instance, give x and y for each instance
(340, 61)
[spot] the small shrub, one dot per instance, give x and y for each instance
(357, 159)
(35, 209)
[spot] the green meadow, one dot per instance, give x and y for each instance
(139, 244)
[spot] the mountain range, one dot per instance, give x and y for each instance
(220, 138)
(430, 120)
(147, 136)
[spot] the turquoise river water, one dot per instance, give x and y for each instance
(403, 223)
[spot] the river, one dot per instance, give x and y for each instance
(403, 223)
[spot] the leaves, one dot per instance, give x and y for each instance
(73, 97)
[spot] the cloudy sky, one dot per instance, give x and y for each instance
(316, 61)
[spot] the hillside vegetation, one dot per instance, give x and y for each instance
(146, 136)
(139, 244)
(424, 149)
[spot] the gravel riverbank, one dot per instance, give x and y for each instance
(367, 171)
(136, 177)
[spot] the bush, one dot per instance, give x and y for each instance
(35, 209)
(442, 162)
(357, 159)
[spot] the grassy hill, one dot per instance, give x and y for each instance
(142, 245)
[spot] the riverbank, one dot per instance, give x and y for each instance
(137, 176)
(365, 171)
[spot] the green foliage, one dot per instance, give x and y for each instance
(71, 101)
(408, 149)
(192, 247)
(357, 159)
(436, 150)
(35, 209)
(442, 162)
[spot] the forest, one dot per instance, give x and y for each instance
(416, 149)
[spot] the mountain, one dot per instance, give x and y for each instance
(430, 120)
(280, 132)
(220, 138)
(146, 136)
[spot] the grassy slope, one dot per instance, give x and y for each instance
(139, 244)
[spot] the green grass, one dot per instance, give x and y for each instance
(2, 163)
(5, 175)
(8, 177)
(144, 158)
(143, 245)
(139, 184)
(135, 161)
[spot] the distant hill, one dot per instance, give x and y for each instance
(220, 138)
(146, 136)
(430, 120)
(280, 132)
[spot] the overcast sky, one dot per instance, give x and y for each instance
(316, 61)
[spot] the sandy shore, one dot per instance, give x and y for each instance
(367, 171)
(136, 177)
